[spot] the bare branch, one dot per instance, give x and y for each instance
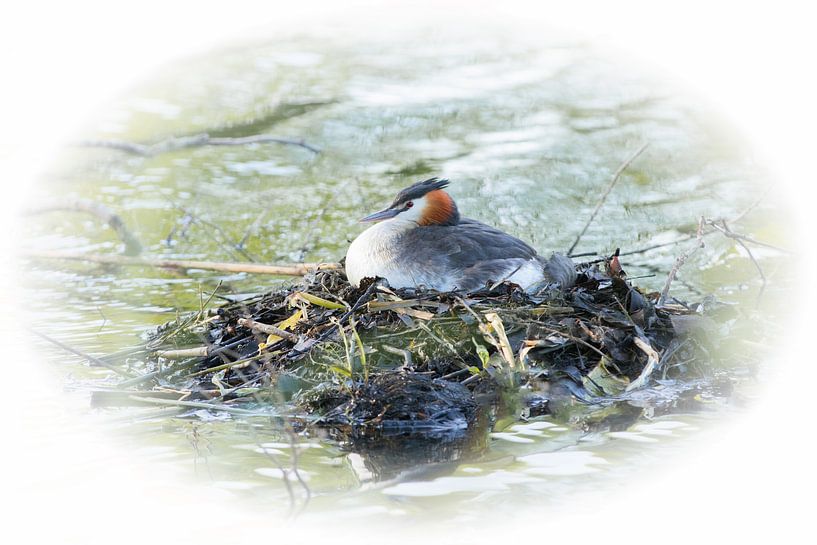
(653, 361)
(736, 236)
(184, 353)
(751, 206)
(222, 240)
(198, 140)
(251, 230)
(679, 262)
(604, 195)
(121, 145)
(132, 245)
(268, 329)
(294, 269)
(92, 359)
(739, 240)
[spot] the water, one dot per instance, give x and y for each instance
(528, 134)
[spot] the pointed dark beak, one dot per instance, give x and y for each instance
(379, 216)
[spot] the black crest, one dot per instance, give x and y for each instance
(419, 189)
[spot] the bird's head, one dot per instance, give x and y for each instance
(424, 203)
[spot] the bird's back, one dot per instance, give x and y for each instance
(467, 255)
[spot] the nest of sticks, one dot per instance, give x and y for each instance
(325, 352)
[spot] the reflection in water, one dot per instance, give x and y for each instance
(417, 455)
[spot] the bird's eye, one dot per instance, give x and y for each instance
(409, 204)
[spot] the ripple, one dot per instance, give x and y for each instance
(270, 168)
(277, 473)
(235, 485)
(575, 462)
(632, 436)
(511, 437)
(498, 480)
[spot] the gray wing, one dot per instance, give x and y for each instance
(465, 244)
(479, 251)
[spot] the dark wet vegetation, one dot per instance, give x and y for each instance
(368, 361)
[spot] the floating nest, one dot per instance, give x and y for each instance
(372, 358)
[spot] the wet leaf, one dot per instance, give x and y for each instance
(603, 382)
(482, 353)
(613, 266)
(362, 352)
(341, 371)
(318, 301)
(501, 342)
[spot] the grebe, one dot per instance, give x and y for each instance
(422, 241)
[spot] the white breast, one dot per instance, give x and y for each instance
(372, 253)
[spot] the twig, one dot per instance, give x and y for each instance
(572, 338)
(122, 398)
(646, 249)
(399, 352)
(635, 252)
(739, 239)
(225, 241)
(284, 473)
(751, 206)
(456, 373)
(198, 140)
(104, 320)
(203, 304)
(132, 245)
(757, 266)
(167, 370)
(181, 229)
(438, 339)
(295, 269)
(268, 329)
(310, 230)
(471, 379)
(293, 445)
(604, 195)
(655, 269)
(142, 378)
(661, 245)
(679, 262)
(88, 357)
(184, 353)
(252, 228)
(653, 360)
(121, 145)
(229, 365)
(198, 405)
